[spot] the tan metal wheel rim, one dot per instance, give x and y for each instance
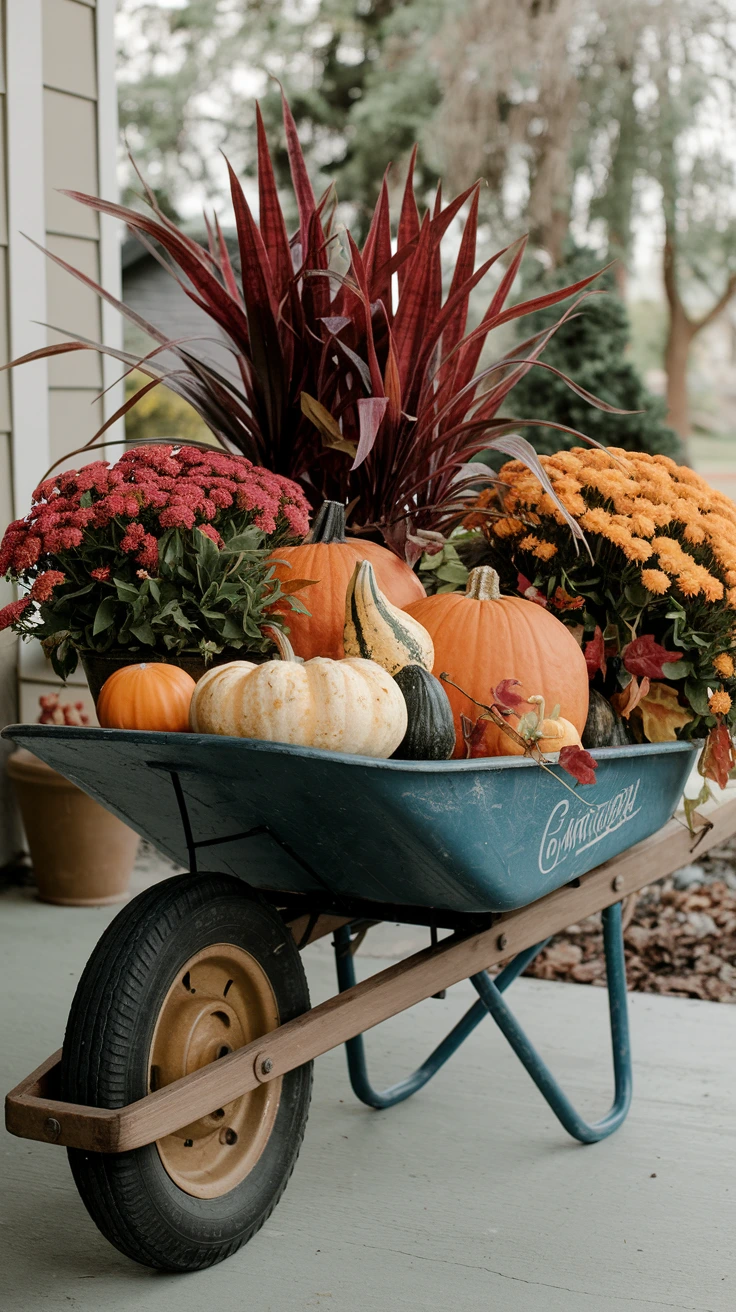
(220, 1000)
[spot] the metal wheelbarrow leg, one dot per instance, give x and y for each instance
(491, 1002)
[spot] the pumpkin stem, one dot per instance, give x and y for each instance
(329, 526)
(483, 584)
(285, 649)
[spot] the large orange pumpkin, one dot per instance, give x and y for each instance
(152, 695)
(330, 559)
(481, 638)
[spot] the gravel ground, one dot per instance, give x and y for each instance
(680, 937)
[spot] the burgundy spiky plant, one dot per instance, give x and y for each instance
(368, 399)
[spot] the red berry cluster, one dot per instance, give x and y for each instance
(150, 490)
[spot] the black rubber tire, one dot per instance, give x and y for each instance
(129, 1196)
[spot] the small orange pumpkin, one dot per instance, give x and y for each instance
(152, 695)
(481, 638)
(557, 734)
(329, 558)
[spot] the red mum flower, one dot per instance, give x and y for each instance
(27, 553)
(9, 614)
(148, 555)
(102, 573)
(44, 585)
(191, 455)
(297, 517)
(177, 516)
(133, 537)
(108, 508)
(67, 538)
(210, 532)
(10, 543)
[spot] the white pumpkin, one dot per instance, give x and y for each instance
(350, 705)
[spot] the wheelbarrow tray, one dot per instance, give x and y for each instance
(488, 835)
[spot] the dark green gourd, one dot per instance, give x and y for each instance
(603, 727)
(430, 734)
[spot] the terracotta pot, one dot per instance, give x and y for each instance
(98, 666)
(82, 855)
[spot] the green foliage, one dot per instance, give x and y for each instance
(202, 599)
(594, 349)
(444, 571)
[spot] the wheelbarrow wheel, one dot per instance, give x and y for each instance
(190, 970)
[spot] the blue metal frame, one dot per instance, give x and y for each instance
(491, 1002)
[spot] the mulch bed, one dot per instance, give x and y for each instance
(679, 940)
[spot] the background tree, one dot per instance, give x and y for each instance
(675, 93)
(356, 77)
(592, 348)
(573, 111)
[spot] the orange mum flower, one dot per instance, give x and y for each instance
(723, 663)
(545, 550)
(694, 534)
(643, 525)
(507, 528)
(655, 580)
(688, 583)
(719, 703)
(597, 521)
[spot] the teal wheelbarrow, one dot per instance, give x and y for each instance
(183, 1085)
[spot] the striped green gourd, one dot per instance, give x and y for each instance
(378, 631)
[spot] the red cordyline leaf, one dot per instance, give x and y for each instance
(370, 411)
(595, 654)
(297, 326)
(409, 217)
(505, 695)
(579, 763)
(299, 174)
(270, 215)
(645, 656)
(718, 758)
(377, 253)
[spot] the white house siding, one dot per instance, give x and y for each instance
(58, 128)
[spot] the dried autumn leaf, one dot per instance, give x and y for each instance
(505, 695)
(288, 586)
(626, 701)
(595, 654)
(579, 763)
(661, 713)
(717, 759)
(328, 427)
(474, 732)
(690, 804)
(563, 600)
(644, 656)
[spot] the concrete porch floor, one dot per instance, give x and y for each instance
(469, 1196)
